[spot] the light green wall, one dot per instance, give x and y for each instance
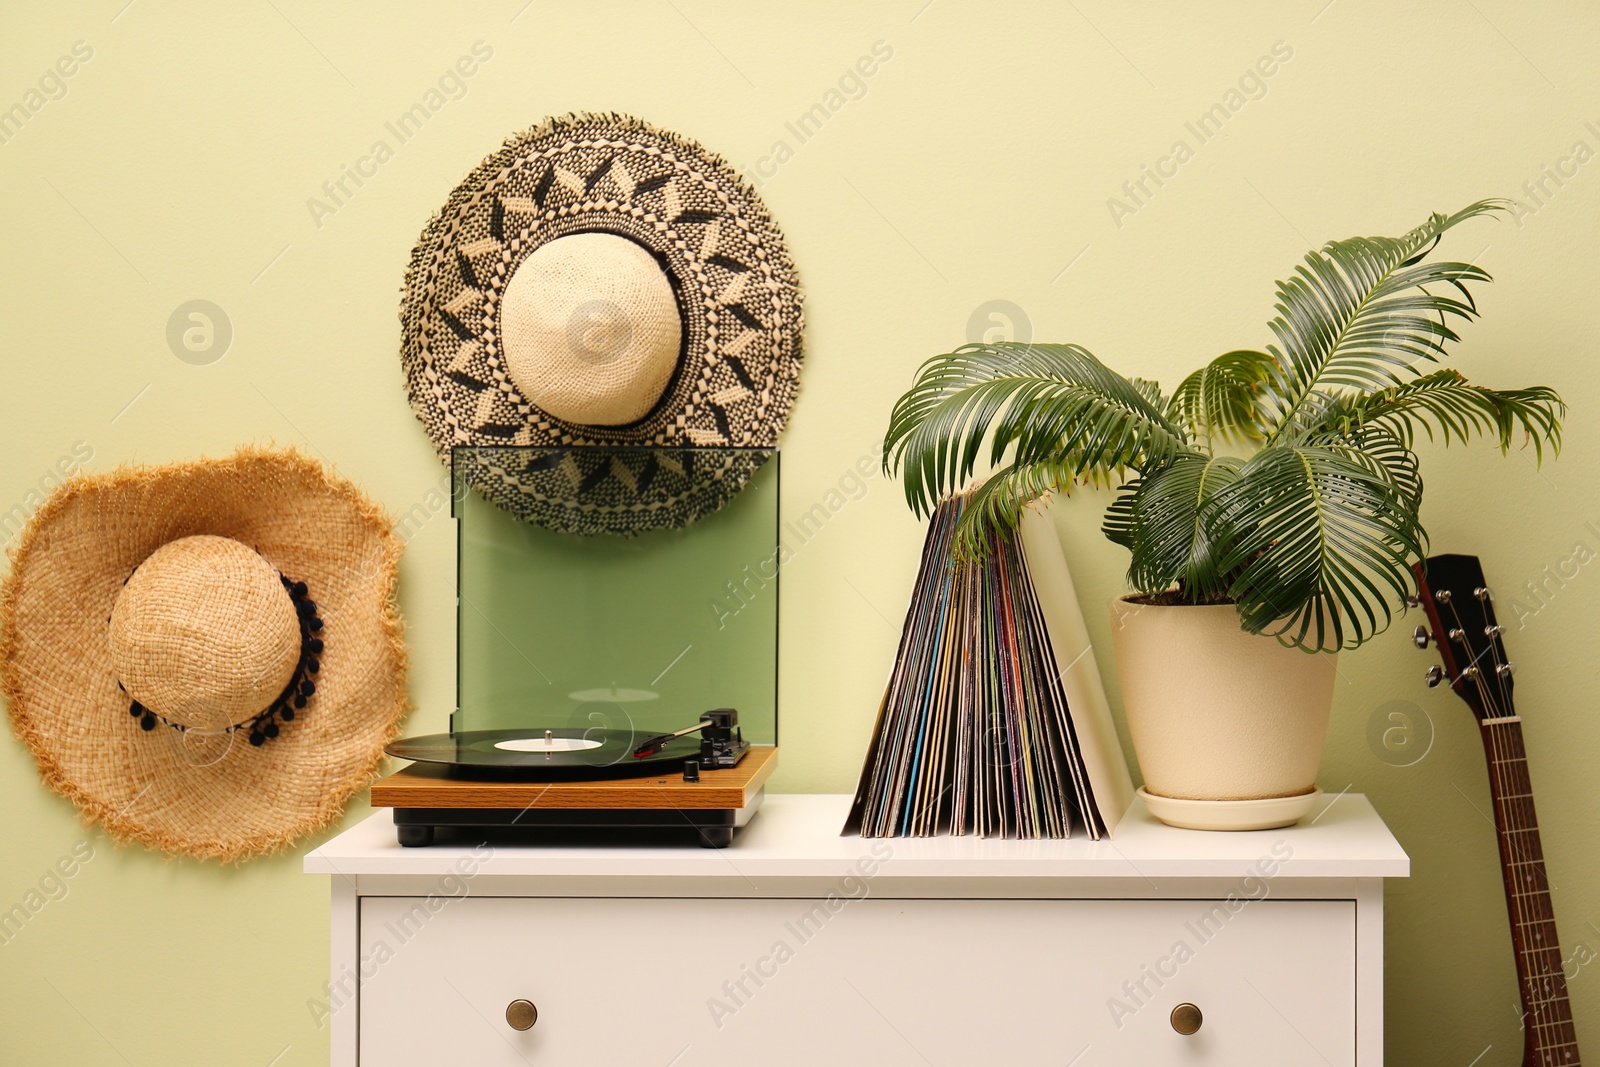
(977, 166)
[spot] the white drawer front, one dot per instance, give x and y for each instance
(695, 982)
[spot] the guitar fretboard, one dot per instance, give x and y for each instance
(1552, 1040)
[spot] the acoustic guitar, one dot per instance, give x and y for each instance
(1473, 661)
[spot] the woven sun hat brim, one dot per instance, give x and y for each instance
(233, 800)
(546, 486)
(735, 286)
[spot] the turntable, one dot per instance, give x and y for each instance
(605, 684)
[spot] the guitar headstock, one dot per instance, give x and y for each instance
(1461, 623)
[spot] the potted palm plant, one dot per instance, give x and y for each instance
(1270, 503)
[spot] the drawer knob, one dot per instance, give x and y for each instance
(1186, 1019)
(522, 1014)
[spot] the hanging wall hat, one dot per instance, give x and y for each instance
(206, 657)
(601, 282)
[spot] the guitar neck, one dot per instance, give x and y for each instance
(1551, 1040)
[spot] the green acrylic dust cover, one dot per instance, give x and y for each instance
(643, 631)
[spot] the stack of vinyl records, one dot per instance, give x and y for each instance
(994, 722)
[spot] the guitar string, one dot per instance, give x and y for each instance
(1535, 1003)
(1553, 982)
(1556, 986)
(1544, 1022)
(1502, 678)
(1539, 1002)
(1546, 1033)
(1523, 800)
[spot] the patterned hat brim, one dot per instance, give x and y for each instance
(608, 490)
(737, 292)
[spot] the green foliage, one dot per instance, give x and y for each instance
(1310, 533)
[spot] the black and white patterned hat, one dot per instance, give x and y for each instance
(595, 285)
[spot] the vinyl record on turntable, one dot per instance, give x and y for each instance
(603, 683)
(561, 753)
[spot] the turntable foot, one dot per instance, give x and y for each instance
(716, 836)
(414, 836)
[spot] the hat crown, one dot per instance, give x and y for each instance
(204, 633)
(592, 332)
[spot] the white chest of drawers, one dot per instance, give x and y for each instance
(798, 946)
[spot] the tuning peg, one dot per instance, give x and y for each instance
(1506, 670)
(1420, 637)
(1435, 675)
(1413, 600)
(1482, 593)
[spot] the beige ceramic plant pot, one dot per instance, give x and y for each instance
(1226, 724)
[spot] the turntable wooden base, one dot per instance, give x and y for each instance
(425, 798)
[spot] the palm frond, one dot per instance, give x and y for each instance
(1318, 541)
(1312, 535)
(997, 504)
(1389, 456)
(1219, 401)
(1160, 518)
(1360, 315)
(1037, 403)
(1151, 391)
(1445, 400)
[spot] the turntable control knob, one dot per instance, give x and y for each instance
(521, 1014)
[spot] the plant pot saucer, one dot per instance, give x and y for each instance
(1266, 814)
